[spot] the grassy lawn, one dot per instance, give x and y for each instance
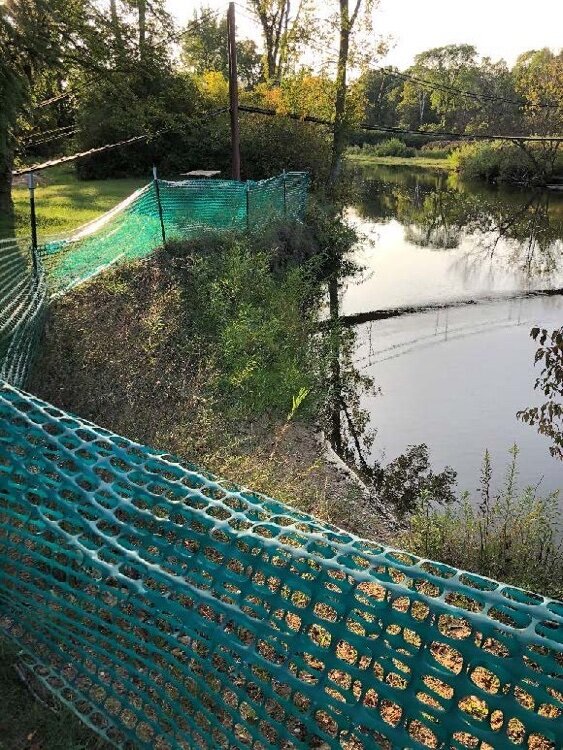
(27, 725)
(63, 202)
(417, 162)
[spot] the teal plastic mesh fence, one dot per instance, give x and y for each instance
(173, 610)
(169, 609)
(133, 228)
(22, 305)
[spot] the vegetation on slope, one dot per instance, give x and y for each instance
(207, 350)
(512, 535)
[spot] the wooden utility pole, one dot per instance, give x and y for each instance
(233, 92)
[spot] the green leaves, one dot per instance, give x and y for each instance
(549, 416)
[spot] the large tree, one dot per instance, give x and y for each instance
(382, 90)
(538, 76)
(448, 71)
(38, 36)
(204, 49)
(285, 31)
(347, 20)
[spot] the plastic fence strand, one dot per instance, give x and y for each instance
(174, 610)
(22, 305)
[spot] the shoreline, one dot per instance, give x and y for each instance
(414, 162)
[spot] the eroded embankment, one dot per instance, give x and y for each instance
(205, 354)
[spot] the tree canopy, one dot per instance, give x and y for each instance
(76, 75)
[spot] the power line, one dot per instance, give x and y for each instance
(52, 100)
(466, 136)
(462, 92)
(80, 155)
(66, 134)
(404, 131)
(107, 147)
(291, 115)
(43, 133)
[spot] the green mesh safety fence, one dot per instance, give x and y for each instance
(173, 610)
(133, 228)
(22, 305)
(169, 609)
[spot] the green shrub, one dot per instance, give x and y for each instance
(439, 149)
(271, 144)
(390, 147)
(256, 321)
(504, 162)
(511, 537)
(393, 147)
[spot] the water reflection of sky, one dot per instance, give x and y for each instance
(455, 378)
(397, 272)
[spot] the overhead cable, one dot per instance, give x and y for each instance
(404, 131)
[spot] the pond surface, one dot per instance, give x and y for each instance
(454, 377)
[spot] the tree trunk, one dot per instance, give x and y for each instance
(274, 29)
(115, 21)
(6, 203)
(335, 374)
(339, 137)
(142, 7)
(113, 14)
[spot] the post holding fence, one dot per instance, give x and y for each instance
(33, 221)
(284, 195)
(160, 214)
(247, 206)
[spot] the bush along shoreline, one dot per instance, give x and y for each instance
(526, 165)
(522, 165)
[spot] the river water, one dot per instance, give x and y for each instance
(454, 376)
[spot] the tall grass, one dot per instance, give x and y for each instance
(512, 536)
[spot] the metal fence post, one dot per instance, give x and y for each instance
(284, 195)
(33, 221)
(247, 206)
(160, 214)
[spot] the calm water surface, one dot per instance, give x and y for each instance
(454, 378)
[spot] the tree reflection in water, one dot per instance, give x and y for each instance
(514, 237)
(519, 231)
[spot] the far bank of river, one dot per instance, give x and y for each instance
(413, 162)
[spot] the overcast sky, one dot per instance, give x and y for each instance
(498, 28)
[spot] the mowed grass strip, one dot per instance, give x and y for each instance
(63, 202)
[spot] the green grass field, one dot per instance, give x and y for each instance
(416, 162)
(27, 725)
(63, 202)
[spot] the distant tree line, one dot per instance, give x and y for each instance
(452, 88)
(76, 75)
